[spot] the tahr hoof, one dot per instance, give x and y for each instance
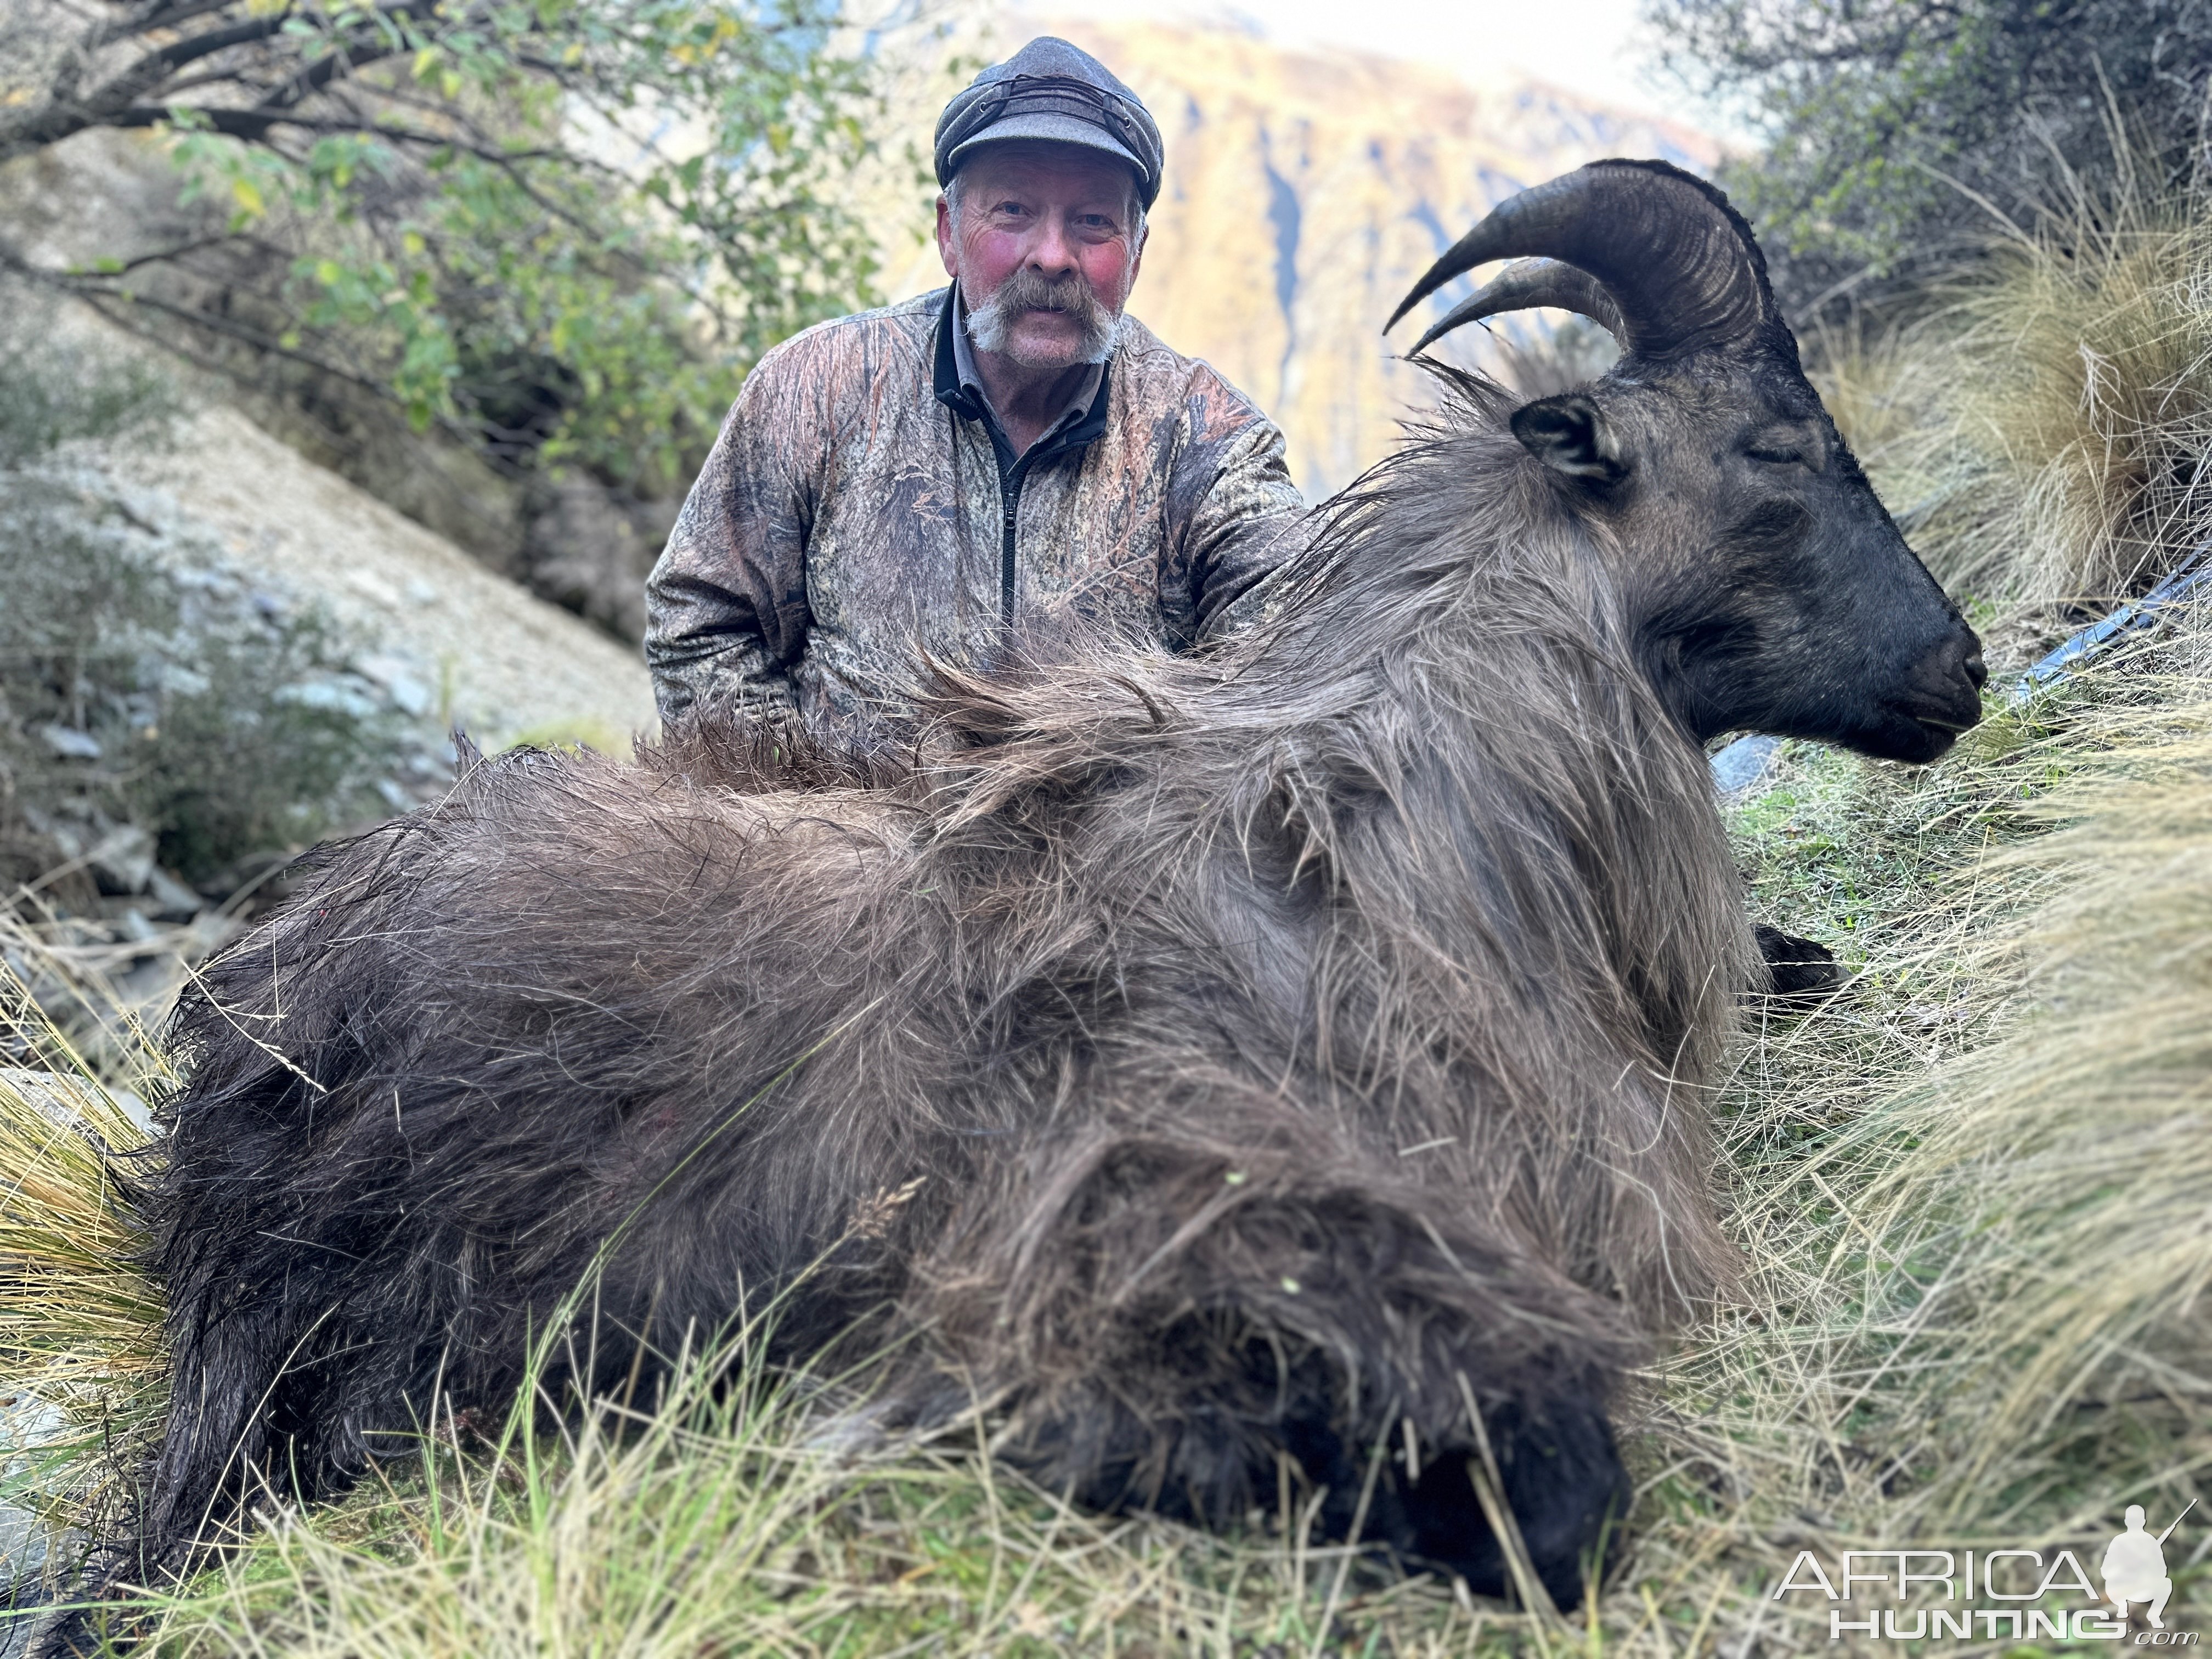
(1799, 973)
(1568, 1493)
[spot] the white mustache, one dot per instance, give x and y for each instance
(991, 325)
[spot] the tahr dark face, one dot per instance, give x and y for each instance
(1767, 586)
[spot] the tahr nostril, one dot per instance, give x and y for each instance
(1976, 671)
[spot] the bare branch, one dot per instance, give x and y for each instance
(124, 267)
(117, 305)
(158, 16)
(342, 60)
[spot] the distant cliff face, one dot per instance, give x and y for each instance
(1306, 193)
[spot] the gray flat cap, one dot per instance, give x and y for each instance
(1054, 92)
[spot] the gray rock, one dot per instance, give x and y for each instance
(409, 694)
(58, 1098)
(125, 856)
(25, 1421)
(399, 680)
(1744, 763)
(171, 897)
(63, 835)
(336, 694)
(154, 979)
(211, 931)
(179, 681)
(70, 744)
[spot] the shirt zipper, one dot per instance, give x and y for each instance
(1010, 497)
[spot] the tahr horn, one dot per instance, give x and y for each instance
(1525, 285)
(1678, 264)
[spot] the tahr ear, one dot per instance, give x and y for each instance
(1571, 434)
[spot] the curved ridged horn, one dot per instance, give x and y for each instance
(1526, 285)
(1678, 260)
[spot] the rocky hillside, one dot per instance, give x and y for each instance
(1304, 195)
(213, 652)
(440, 637)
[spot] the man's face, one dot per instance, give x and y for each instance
(1053, 225)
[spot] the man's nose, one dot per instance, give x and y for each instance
(1052, 252)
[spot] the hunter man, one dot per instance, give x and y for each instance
(1007, 457)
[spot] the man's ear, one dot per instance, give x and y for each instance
(1571, 434)
(945, 249)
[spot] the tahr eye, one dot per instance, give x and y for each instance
(1776, 457)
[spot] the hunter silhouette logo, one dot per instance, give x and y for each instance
(2135, 1567)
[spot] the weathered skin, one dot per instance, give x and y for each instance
(849, 524)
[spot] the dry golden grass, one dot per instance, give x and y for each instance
(2074, 1156)
(80, 1353)
(1978, 1188)
(2043, 428)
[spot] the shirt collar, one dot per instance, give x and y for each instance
(953, 327)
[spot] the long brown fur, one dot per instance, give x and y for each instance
(1216, 1066)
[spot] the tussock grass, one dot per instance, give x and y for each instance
(72, 1323)
(2043, 426)
(69, 1322)
(724, 1522)
(1976, 1188)
(1974, 1194)
(2077, 1154)
(81, 1372)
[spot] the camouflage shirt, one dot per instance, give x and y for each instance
(861, 508)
